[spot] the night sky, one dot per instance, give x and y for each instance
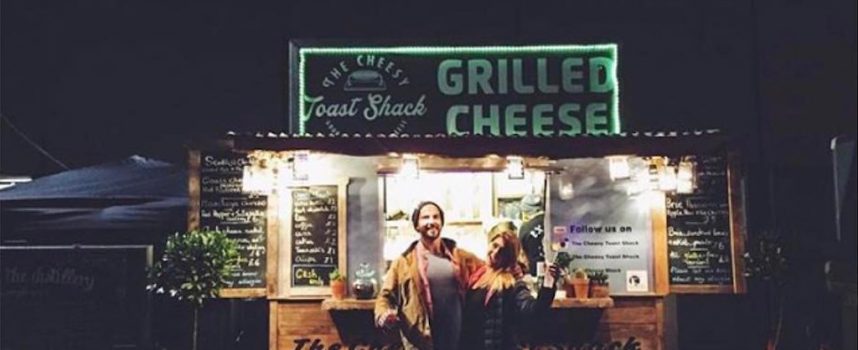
(96, 81)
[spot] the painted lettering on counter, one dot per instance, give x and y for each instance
(316, 344)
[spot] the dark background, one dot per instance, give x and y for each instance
(96, 80)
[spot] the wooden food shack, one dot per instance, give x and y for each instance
(304, 206)
(529, 134)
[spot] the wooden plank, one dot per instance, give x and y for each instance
(701, 289)
(193, 190)
(559, 303)
(272, 244)
(625, 315)
(590, 303)
(273, 323)
(738, 233)
(243, 293)
(347, 304)
(661, 275)
(669, 323)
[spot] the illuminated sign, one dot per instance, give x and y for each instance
(547, 90)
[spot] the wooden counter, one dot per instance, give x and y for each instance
(623, 322)
(351, 304)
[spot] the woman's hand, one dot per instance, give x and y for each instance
(551, 276)
(554, 270)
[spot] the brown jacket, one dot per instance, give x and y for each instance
(404, 293)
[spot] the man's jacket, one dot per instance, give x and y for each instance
(404, 292)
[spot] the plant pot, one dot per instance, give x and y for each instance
(580, 288)
(338, 289)
(599, 291)
(570, 291)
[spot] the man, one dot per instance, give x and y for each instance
(424, 288)
(532, 231)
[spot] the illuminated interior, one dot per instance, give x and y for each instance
(472, 203)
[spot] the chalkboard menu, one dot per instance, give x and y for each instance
(698, 228)
(315, 241)
(241, 216)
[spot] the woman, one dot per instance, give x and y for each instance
(498, 303)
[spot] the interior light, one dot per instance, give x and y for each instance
(566, 191)
(301, 166)
(618, 166)
(685, 171)
(685, 177)
(515, 168)
(410, 167)
(667, 179)
(684, 186)
(652, 176)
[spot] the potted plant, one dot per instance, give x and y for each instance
(599, 285)
(580, 284)
(193, 268)
(338, 284)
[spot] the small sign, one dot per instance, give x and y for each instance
(636, 281)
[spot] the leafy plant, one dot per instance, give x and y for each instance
(580, 273)
(336, 275)
(598, 278)
(194, 267)
(562, 260)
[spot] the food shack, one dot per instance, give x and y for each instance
(648, 215)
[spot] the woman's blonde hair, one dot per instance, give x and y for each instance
(511, 260)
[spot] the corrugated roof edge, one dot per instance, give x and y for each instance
(282, 135)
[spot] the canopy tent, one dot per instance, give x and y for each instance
(134, 194)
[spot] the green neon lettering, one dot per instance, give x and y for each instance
(571, 72)
(518, 78)
(596, 119)
(452, 114)
(540, 120)
(542, 77)
(492, 120)
(479, 73)
(600, 67)
(567, 112)
(450, 83)
(511, 120)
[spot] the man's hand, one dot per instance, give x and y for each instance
(388, 320)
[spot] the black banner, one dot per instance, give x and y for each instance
(243, 217)
(698, 228)
(74, 297)
(501, 91)
(315, 220)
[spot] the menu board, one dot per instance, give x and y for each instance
(698, 228)
(314, 235)
(241, 216)
(315, 241)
